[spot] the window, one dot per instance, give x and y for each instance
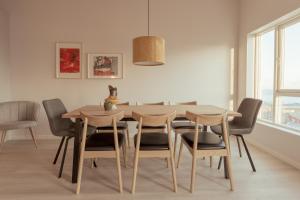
(277, 74)
(266, 76)
(290, 51)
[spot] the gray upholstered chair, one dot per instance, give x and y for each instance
(244, 125)
(18, 115)
(59, 126)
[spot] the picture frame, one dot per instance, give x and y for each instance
(69, 60)
(105, 66)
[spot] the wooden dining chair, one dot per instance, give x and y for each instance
(155, 103)
(182, 124)
(101, 145)
(203, 143)
(125, 124)
(152, 128)
(153, 144)
(187, 103)
(121, 125)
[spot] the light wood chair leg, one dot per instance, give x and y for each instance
(80, 174)
(210, 161)
(229, 168)
(33, 137)
(193, 174)
(2, 139)
(180, 153)
(135, 169)
(173, 172)
(175, 144)
(119, 171)
(128, 138)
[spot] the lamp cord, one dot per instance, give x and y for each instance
(148, 17)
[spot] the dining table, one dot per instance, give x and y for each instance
(142, 109)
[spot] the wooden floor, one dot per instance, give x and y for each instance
(26, 173)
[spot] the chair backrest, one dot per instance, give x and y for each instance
(153, 120)
(157, 103)
(105, 119)
(55, 109)
(123, 104)
(187, 103)
(102, 119)
(249, 109)
(209, 120)
(206, 120)
(19, 111)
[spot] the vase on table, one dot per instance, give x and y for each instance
(112, 100)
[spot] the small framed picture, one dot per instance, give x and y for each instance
(68, 60)
(105, 66)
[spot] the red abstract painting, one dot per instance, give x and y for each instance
(69, 60)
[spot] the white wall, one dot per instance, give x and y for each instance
(253, 15)
(4, 57)
(199, 35)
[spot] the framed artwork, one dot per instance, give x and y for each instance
(105, 66)
(68, 60)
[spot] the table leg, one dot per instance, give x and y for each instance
(225, 167)
(76, 150)
(226, 174)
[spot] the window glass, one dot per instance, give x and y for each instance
(266, 77)
(289, 110)
(290, 74)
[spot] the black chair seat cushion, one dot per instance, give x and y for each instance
(180, 119)
(183, 125)
(153, 141)
(233, 129)
(206, 140)
(102, 142)
(151, 127)
(120, 126)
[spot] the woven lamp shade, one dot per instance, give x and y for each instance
(148, 51)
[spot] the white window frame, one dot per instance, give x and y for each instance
(278, 90)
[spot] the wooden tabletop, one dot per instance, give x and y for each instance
(151, 109)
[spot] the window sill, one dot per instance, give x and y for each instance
(279, 127)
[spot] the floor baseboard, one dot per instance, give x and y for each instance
(274, 153)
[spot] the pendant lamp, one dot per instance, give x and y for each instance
(148, 50)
